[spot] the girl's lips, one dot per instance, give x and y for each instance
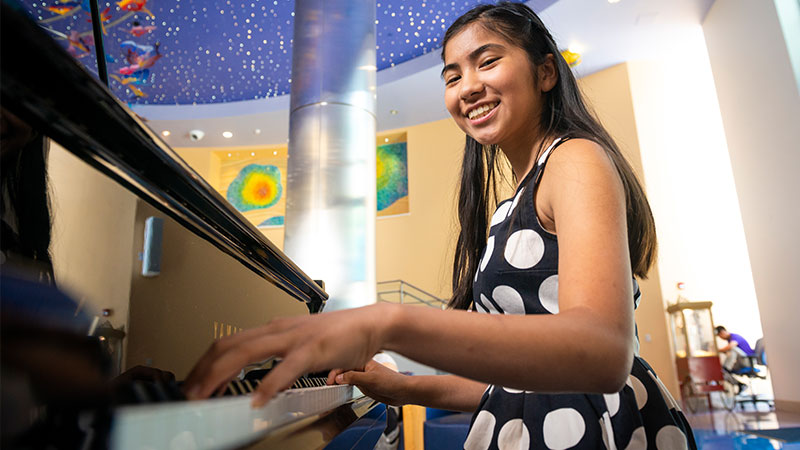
(484, 118)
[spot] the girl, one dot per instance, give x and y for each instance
(551, 361)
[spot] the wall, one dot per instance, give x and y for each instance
(760, 107)
(414, 247)
(608, 92)
(92, 235)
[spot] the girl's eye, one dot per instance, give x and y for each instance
(489, 62)
(452, 80)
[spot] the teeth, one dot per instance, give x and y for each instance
(481, 111)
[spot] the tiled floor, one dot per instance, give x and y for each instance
(724, 430)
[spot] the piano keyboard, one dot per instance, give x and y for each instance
(223, 422)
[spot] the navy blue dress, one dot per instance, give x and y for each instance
(518, 274)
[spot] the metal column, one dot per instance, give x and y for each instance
(331, 198)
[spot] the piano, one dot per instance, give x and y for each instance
(108, 174)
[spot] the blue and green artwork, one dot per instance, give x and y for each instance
(392, 171)
(255, 187)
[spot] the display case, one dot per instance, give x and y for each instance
(696, 355)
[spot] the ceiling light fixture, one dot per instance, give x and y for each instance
(227, 134)
(393, 112)
(165, 133)
(257, 131)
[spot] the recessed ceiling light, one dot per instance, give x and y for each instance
(257, 131)
(393, 112)
(323, 103)
(385, 139)
(229, 155)
(165, 133)
(252, 153)
(274, 153)
(227, 134)
(613, 1)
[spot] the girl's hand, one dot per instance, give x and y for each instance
(346, 339)
(376, 381)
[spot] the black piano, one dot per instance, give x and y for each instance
(72, 347)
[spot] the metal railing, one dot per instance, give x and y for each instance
(399, 291)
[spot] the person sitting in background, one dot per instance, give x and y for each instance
(737, 349)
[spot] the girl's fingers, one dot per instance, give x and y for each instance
(244, 346)
(332, 376)
(281, 377)
(226, 365)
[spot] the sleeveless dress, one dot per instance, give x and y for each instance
(518, 274)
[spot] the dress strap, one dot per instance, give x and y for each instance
(540, 164)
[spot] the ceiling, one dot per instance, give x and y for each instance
(409, 92)
(224, 51)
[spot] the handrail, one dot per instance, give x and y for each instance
(43, 85)
(434, 301)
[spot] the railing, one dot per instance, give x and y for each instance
(399, 291)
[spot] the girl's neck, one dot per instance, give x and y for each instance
(523, 157)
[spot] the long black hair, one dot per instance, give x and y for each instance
(564, 113)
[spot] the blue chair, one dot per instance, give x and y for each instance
(447, 432)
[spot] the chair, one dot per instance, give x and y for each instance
(748, 370)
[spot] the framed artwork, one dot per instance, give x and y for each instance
(254, 180)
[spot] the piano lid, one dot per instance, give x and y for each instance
(45, 86)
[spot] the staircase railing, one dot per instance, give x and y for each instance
(399, 291)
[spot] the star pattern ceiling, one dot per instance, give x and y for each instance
(196, 52)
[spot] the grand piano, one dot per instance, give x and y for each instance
(110, 177)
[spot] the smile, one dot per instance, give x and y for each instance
(482, 111)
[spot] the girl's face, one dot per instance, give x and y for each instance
(490, 89)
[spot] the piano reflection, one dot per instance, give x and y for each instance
(92, 348)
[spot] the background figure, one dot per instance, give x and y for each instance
(737, 349)
(24, 201)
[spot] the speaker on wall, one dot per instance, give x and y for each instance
(151, 258)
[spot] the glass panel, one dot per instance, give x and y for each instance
(679, 334)
(700, 332)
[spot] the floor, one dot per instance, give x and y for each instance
(727, 430)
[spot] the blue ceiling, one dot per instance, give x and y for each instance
(214, 52)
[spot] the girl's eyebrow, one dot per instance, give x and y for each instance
(473, 55)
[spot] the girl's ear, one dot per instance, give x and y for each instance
(547, 72)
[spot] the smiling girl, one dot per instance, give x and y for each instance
(540, 338)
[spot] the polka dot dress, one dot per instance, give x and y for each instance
(518, 274)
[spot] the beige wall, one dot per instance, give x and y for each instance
(760, 106)
(92, 235)
(609, 94)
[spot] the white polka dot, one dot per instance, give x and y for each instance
(500, 214)
(508, 299)
(524, 249)
(638, 440)
(612, 403)
(512, 390)
(608, 432)
(639, 391)
(516, 200)
(670, 438)
(563, 428)
(477, 271)
(480, 435)
(548, 294)
(487, 255)
(488, 305)
(514, 436)
(671, 403)
(479, 307)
